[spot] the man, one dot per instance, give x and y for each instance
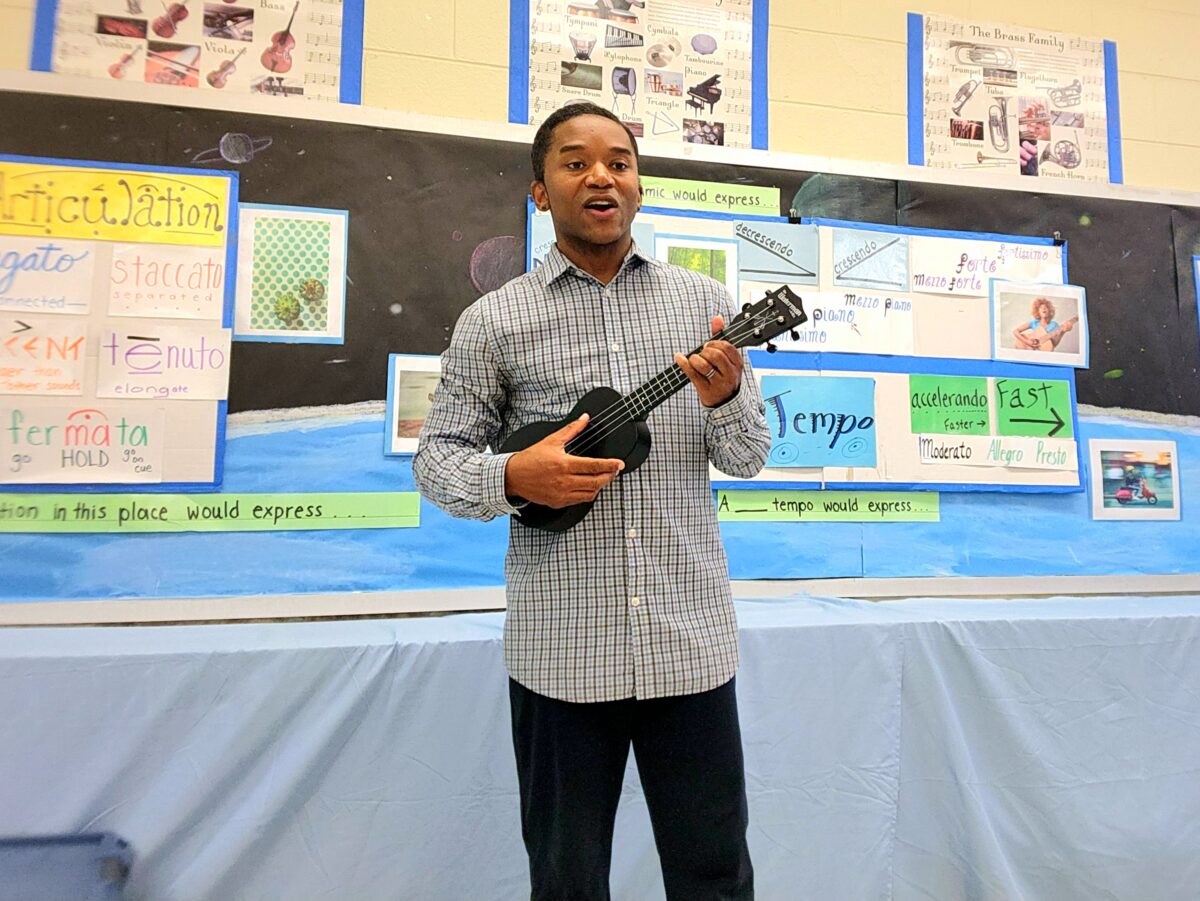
(620, 630)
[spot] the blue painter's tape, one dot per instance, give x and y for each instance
(518, 61)
(916, 89)
(41, 53)
(712, 214)
(1112, 99)
(927, 232)
(1196, 273)
(758, 76)
(391, 406)
(353, 14)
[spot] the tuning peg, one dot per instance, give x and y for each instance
(771, 348)
(795, 335)
(746, 307)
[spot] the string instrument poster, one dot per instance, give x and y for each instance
(1012, 99)
(116, 301)
(285, 48)
(672, 70)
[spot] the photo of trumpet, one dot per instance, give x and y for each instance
(964, 93)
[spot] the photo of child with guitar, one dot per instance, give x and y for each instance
(1042, 332)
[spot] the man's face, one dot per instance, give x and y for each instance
(591, 183)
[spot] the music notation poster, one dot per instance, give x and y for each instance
(283, 48)
(116, 303)
(672, 70)
(1012, 99)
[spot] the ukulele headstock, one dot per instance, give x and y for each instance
(781, 310)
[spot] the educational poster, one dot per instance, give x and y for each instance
(275, 47)
(869, 259)
(1134, 479)
(412, 379)
(1012, 99)
(115, 369)
(777, 251)
(942, 425)
(715, 257)
(291, 274)
(1043, 324)
(673, 70)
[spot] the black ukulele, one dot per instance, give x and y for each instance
(617, 425)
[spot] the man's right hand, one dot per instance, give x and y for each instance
(544, 473)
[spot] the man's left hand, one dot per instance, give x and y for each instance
(716, 370)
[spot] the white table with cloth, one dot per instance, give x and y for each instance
(917, 749)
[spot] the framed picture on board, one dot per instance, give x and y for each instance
(412, 379)
(1039, 323)
(1134, 479)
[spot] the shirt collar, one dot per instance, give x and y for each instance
(556, 264)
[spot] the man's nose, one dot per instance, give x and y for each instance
(599, 176)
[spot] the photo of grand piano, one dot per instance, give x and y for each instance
(706, 91)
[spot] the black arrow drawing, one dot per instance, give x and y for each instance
(24, 326)
(1057, 422)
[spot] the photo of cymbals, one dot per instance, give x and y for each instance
(661, 54)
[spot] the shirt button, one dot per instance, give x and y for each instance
(633, 533)
(635, 601)
(615, 348)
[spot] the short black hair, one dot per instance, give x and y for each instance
(541, 141)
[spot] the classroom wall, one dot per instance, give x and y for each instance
(837, 69)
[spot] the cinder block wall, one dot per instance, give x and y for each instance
(837, 69)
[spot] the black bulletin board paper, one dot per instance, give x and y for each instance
(436, 220)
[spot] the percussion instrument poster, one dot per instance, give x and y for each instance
(672, 70)
(288, 48)
(114, 360)
(1012, 99)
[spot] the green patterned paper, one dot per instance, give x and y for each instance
(289, 286)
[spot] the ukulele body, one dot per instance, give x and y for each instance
(628, 441)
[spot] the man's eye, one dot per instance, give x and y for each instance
(620, 164)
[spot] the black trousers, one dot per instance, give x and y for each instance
(570, 764)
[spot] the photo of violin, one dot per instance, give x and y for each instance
(278, 57)
(178, 69)
(218, 76)
(117, 69)
(164, 26)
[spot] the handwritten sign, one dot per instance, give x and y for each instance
(988, 450)
(42, 356)
(170, 362)
(683, 194)
(1033, 407)
(874, 260)
(948, 404)
(756, 505)
(851, 322)
(167, 281)
(41, 199)
(777, 252)
(78, 443)
(958, 266)
(209, 512)
(820, 420)
(41, 275)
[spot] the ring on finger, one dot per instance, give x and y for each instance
(709, 375)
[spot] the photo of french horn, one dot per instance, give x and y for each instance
(1064, 153)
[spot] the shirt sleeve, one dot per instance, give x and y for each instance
(451, 467)
(736, 432)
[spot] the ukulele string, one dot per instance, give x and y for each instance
(599, 426)
(604, 424)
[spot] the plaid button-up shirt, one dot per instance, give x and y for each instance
(634, 601)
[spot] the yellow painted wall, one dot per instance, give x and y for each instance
(837, 69)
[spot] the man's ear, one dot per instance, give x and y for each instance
(541, 200)
(641, 192)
